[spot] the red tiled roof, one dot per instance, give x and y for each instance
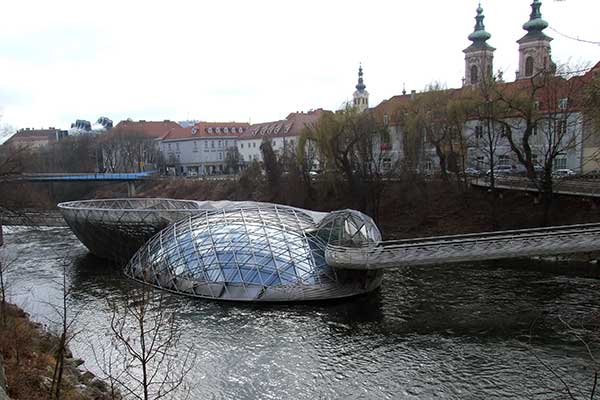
(208, 129)
(154, 129)
(292, 125)
(33, 135)
(548, 99)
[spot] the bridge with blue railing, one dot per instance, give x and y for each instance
(129, 178)
(87, 176)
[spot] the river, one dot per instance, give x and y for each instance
(444, 332)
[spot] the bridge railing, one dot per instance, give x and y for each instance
(470, 247)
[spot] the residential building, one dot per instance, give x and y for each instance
(283, 134)
(202, 149)
(35, 138)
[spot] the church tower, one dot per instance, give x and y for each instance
(479, 56)
(361, 96)
(534, 47)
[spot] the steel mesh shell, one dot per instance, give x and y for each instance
(116, 228)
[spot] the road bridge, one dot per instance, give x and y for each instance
(581, 238)
(130, 178)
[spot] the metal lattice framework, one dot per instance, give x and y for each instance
(117, 228)
(257, 252)
(472, 247)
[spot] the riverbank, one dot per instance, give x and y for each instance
(409, 208)
(28, 359)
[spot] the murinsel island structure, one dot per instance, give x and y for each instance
(251, 251)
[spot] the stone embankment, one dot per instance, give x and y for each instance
(28, 361)
(3, 395)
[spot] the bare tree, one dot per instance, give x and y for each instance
(66, 332)
(349, 143)
(543, 123)
(145, 361)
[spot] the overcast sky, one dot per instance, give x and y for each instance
(249, 60)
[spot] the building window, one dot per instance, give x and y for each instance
(387, 164)
(212, 144)
(561, 161)
(254, 144)
(480, 162)
(479, 132)
(503, 130)
(169, 145)
(563, 103)
(386, 119)
(241, 145)
(503, 160)
(529, 66)
(561, 127)
(474, 74)
(195, 146)
(220, 155)
(177, 146)
(206, 143)
(220, 143)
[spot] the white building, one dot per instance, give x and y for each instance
(284, 135)
(201, 149)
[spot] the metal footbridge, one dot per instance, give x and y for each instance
(555, 240)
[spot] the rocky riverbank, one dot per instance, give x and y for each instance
(28, 359)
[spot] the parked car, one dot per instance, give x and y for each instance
(472, 172)
(501, 170)
(563, 173)
(594, 173)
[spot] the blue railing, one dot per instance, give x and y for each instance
(90, 176)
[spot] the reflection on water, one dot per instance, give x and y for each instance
(466, 331)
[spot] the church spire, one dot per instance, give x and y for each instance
(479, 35)
(479, 56)
(534, 47)
(535, 24)
(361, 85)
(360, 96)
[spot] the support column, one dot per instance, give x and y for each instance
(131, 189)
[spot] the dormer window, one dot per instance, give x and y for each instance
(240, 130)
(226, 130)
(217, 130)
(563, 103)
(194, 131)
(209, 130)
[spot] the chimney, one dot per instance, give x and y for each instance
(413, 94)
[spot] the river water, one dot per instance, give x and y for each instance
(447, 332)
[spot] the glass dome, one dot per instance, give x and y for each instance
(259, 252)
